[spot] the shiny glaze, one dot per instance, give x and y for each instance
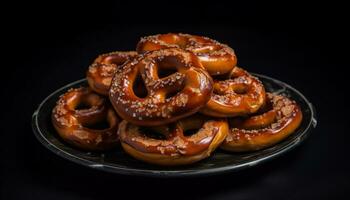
(217, 58)
(102, 70)
(209, 133)
(191, 84)
(278, 119)
(71, 123)
(239, 95)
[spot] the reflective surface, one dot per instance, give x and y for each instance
(118, 161)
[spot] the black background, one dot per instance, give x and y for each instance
(297, 42)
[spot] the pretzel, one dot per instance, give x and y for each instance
(169, 145)
(167, 99)
(102, 70)
(275, 121)
(217, 58)
(75, 124)
(238, 95)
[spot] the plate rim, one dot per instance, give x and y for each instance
(172, 173)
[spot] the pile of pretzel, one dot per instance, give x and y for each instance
(173, 101)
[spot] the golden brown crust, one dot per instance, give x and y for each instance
(102, 70)
(175, 148)
(265, 129)
(190, 86)
(72, 124)
(240, 94)
(217, 58)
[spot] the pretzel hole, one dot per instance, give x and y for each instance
(265, 108)
(241, 90)
(86, 102)
(166, 72)
(151, 133)
(83, 106)
(191, 126)
(190, 132)
(173, 92)
(168, 66)
(221, 90)
(236, 122)
(139, 87)
(100, 125)
(103, 123)
(222, 77)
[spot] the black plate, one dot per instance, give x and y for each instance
(117, 161)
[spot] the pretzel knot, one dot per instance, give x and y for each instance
(165, 99)
(186, 141)
(239, 94)
(86, 120)
(102, 70)
(216, 58)
(275, 121)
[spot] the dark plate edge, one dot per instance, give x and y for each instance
(179, 173)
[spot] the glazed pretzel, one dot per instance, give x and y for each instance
(190, 86)
(169, 145)
(240, 94)
(275, 121)
(73, 124)
(102, 70)
(217, 58)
